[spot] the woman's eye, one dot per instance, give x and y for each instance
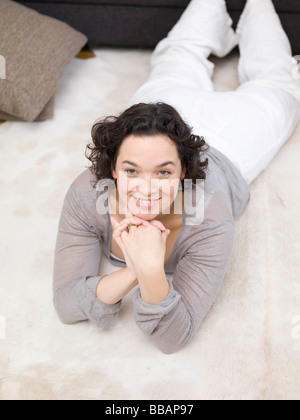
(130, 172)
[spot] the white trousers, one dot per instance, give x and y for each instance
(248, 125)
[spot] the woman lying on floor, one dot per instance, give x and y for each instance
(151, 153)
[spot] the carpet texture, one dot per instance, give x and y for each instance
(249, 345)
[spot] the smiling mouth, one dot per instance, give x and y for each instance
(146, 203)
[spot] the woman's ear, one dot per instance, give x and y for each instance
(113, 172)
(183, 173)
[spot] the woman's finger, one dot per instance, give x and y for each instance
(131, 220)
(165, 235)
(159, 225)
(135, 221)
(118, 230)
(124, 236)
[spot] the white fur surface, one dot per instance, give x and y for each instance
(249, 345)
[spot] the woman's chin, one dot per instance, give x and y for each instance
(148, 214)
(144, 216)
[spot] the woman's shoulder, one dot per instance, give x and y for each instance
(83, 179)
(84, 198)
(84, 186)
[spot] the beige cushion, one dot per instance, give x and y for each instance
(36, 49)
(46, 114)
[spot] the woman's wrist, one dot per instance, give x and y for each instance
(154, 286)
(131, 277)
(113, 287)
(144, 268)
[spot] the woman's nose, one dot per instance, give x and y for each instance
(149, 188)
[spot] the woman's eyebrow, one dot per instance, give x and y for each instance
(158, 166)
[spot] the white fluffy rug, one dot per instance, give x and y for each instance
(249, 345)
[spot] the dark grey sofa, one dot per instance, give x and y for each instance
(143, 23)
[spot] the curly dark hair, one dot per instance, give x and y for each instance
(145, 119)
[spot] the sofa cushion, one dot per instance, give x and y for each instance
(46, 113)
(36, 49)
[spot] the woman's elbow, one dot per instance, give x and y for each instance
(65, 313)
(169, 343)
(64, 319)
(171, 347)
(167, 349)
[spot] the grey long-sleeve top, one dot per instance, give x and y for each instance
(197, 264)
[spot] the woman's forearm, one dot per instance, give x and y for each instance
(153, 284)
(115, 286)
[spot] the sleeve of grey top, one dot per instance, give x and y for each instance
(76, 265)
(196, 282)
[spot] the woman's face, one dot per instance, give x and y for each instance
(148, 172)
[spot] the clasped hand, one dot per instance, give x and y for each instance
(144, 246)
